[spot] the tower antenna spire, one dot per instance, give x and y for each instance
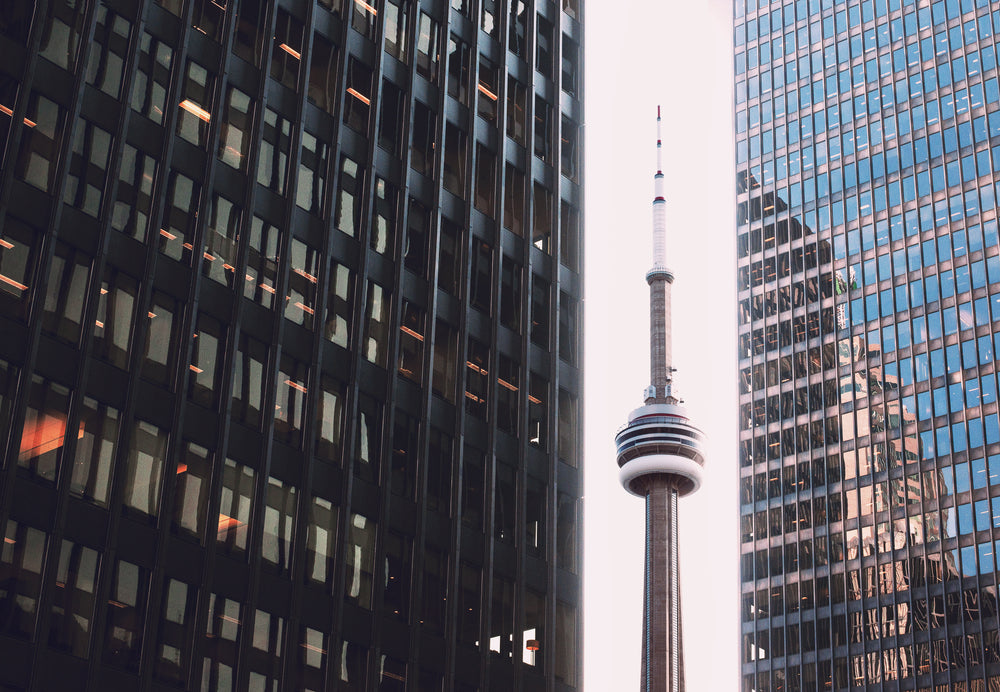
(660, 279)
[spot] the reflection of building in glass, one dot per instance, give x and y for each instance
(289, 345)
(869, 294)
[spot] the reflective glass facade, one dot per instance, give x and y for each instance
(869, 318)
(290, 345)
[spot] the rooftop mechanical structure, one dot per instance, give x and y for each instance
(660, 458)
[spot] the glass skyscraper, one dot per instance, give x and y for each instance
(869, 321)
(289, 344)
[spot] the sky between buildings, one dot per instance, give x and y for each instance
(640, 53)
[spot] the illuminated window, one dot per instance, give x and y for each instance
(262, 262)
(303, 278)
(249, 380)
(191, 491)
(411, 342)
(44, 431)
(321, 541)
(383, 232)
(367, 454)
(348, 212)
(234, 140)
(40, 143)
(66, 293)
(195, 114)
(205, 368)
(180, 218)
(63, 33)
(330, 419)
(286, 55)
(279, 523)
(21, 559)
(175, 633)
(428, 47)
(272, 164)
(144, 468)
(235, 507)
(340, 305)
(310, 188)
(396, 18)
(360, 560)
(291, 394)
(376, 336)
(221, 239)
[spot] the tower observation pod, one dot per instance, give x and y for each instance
(660, 458)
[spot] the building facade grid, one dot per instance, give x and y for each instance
(869, 300)
(290, 344)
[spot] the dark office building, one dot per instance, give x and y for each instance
(290, 345)
(869, 322)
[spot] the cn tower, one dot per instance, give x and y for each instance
(660, 458)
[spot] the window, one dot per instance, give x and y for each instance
(221, 239)
(17, 266)
(568, 428)
(125, 615)
(505, 503)
(473, 492)
(196, 105)
(208, 17)
(330, 419)
(477, 379)
(363, 18)
(234, 140)
(434, 595)
(517, 29)
(411, 342)
(510, 294)
(488, 89)
(440, 456)
(359, 95)
(569, 150)
(538, 396)
(418, 229)
(311, 186)
(323, 74)
(95, 452)
(300, 303)
(502, 617)
(180, 218)
(249, 380)
(207, 347)
(63, 33)
(513, 199)
(222, 630)
(481, 289)
(136, 176)
(262, 262)
(360, 560)
(459, 66)
(152, 77)
(542, 218)
(235, 507)
(44, 431)
(454, 159)
(194, 477)
(21, 574)
(398, 558)
(540, 306)
(369, 439)
(509, 381)
(251, 18)
(391, 114)
(445, 361)
(428, 48)
(469, 605)
(321, 541)
(489, 19)
(569, 234)
(290, 400)
(567, 328)
(348, 216)
(566, 533)
(486, 174)
(405, 454)
(66, 294)
(161, 338)
(40, 144)
(286, 55)
(396, 18)
(144, 468)
(72, 608)
(272, 166)
(279, 522)
(570, 65)
(268, 645)
(422, 143)
(176, 630)
(449, 257)
(115, 315)
(383, 232)
(339, 305)
(544, 46)
(376, 337)
(88, 168)
(517, 110)
(534, 628)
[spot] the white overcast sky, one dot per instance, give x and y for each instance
(639, 54)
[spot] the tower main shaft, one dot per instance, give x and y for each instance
(660, 458)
